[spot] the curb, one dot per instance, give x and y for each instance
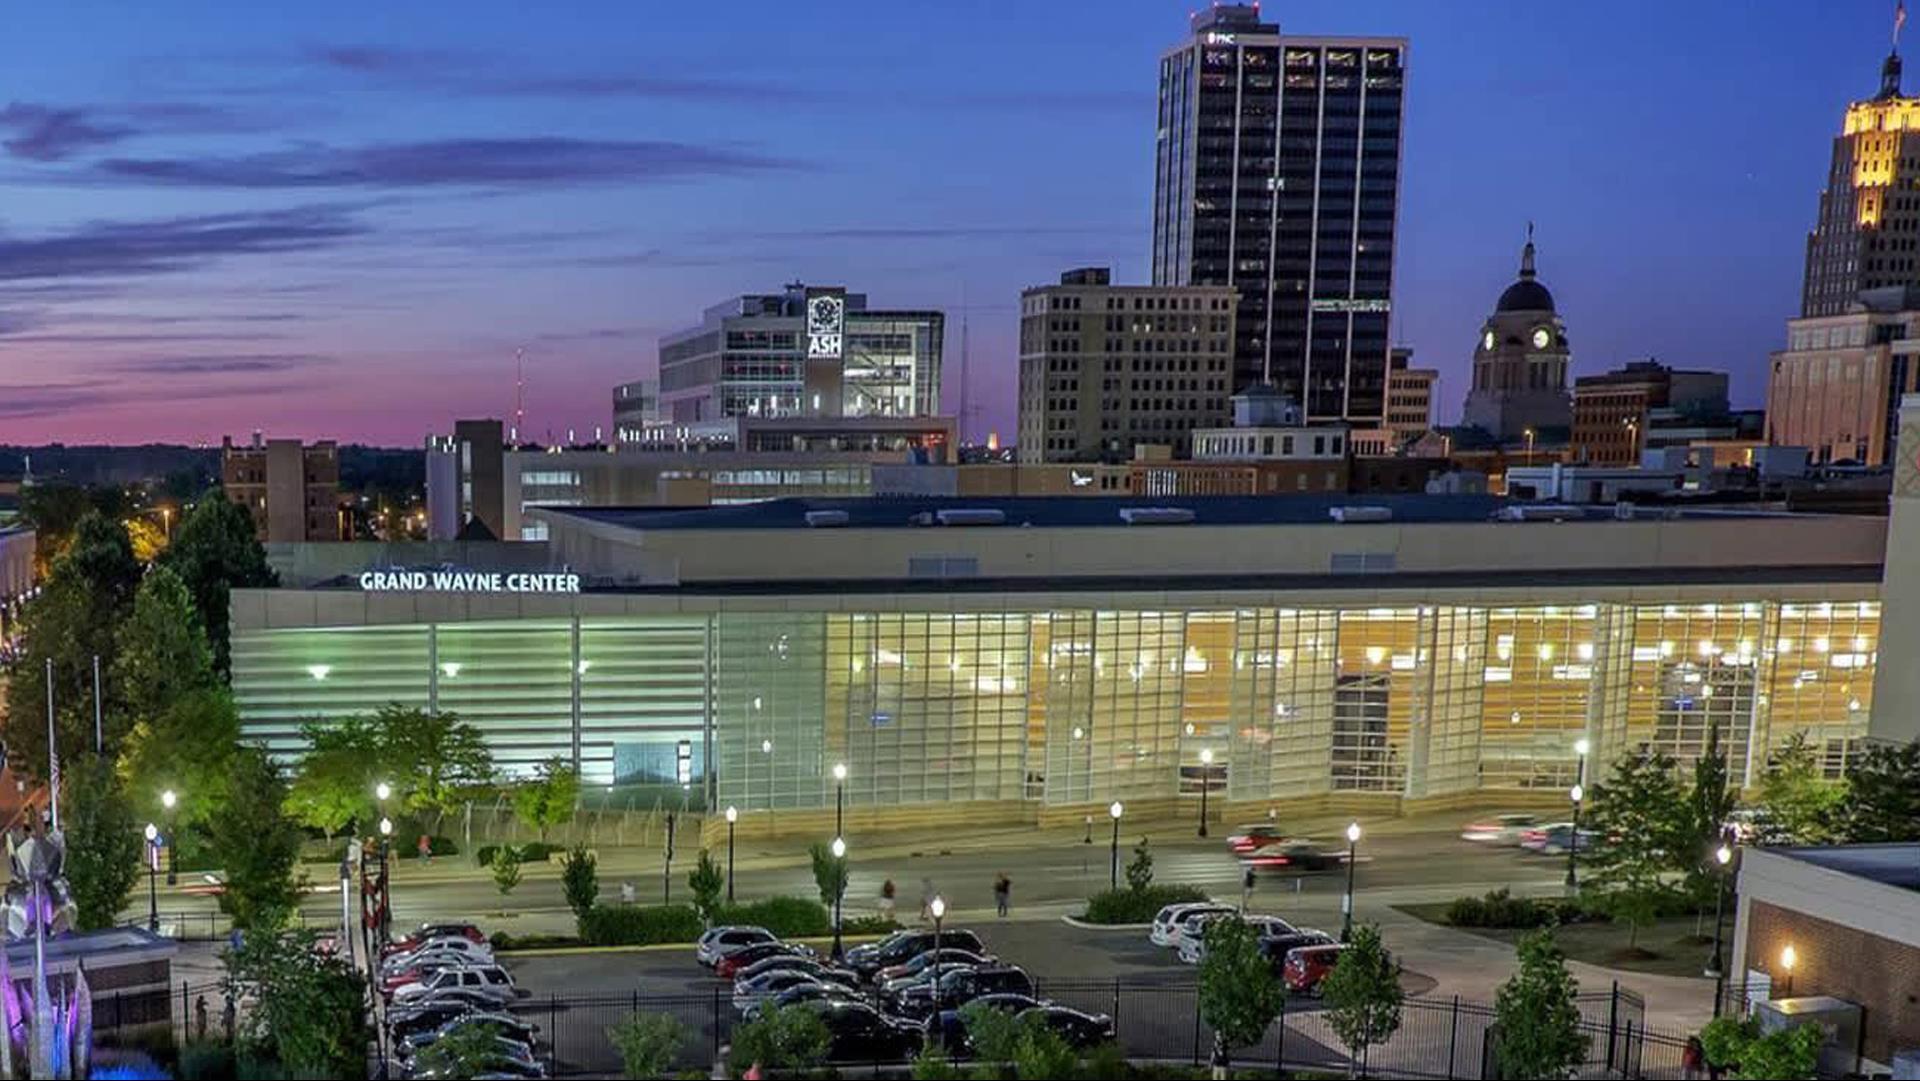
(1085, 926)
(660, 947)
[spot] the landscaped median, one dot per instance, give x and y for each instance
(1671, 941)
(1139, 901)
(653, 925)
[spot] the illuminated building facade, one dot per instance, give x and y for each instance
(1035, 656)
(1868, 232)
(1277, 172)
(1520, 364)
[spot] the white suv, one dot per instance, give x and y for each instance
(1166, 924)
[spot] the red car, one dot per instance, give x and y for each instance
(430, 931)
(1308, 965)
(1245, 839)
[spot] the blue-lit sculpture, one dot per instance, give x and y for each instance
(53, 1032)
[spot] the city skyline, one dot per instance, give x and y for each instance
(343, 227)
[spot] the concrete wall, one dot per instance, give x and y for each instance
(307, 564)
(1896, 687)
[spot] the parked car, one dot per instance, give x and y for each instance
(808, 992)
(730, 963)
(1245, 839)
(508, 1051)
(427, 931)
(428, 961)
(856, 1032)
(768, 984)
(447, 1002)
(1499, 830)
(1277, 947)
(1193, 946)
(790, 962)
(1306, 966)
(429, 1017)
(1194, 922)
(507, 1027)
(1294, 854)
(490, 980)
(949, 1029)
(921, 963)
(904, 945)
(1168, 919)
(440, 944)
(717, 942)
(1080, 1030)
(959, 987)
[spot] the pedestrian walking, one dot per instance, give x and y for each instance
(1246, 890)
(425, 846)
(887, 891)
(1002, 893)
(926, 899)
(626, 893)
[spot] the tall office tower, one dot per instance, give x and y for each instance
(1277, 171)
(1868, 233)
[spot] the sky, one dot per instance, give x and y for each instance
(340, 220)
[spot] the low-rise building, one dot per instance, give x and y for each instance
(291, 489)
(1836, 387)
(636, 410)
(1615, 414)
(16, 583)
(1409, 397)
(1270, 450)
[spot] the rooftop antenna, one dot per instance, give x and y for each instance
(519, 392)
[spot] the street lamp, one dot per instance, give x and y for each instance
(1582, 747)
(1115, 811)
(937, 906)
(733, 815)
(386, 888)
(1576, 794)
(1206, 782)
(170, 800)
(1724, 857)
(153, 870)
(1346, 906)
(383, 792)
(839, 891)
(1529, 446)
(1788, 958)
(839, 799)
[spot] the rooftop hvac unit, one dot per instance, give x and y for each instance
(1156, 515)
(971, 516)
(1361, 514)
(826, 519)
(1538, 512)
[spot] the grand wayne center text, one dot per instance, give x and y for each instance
(452, 581)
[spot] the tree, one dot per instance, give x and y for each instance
(54, 511)
(649, 1043)
(1239, 994)
(256, 843)
(439, 760)
(580, 877)
(189, 748)
(1140, 867)
(1710, 803)
(548, 798)
(1737, 1046)
(1538, 1016)
(104, 841)
(163, 654)
(473, 1049)
(781, 1039)
(1882, 802)
(335, 781)
(706, 882)
(1795, 800)
(146, 537)
(1643, 816)
(829, 874)
(1363, 994)
(506, 869)
(72, 621)
(215, 552)
(306, 1010)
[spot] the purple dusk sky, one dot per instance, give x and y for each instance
(339, 221)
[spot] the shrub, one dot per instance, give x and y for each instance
(440, 846)
(1137, 906)
(1500, 908)
(531, 852)
(506, 871)
(707, 883)
(783, 1038)
(788, 917)
(635, 925)
(505, 940)
(867, 925)
(581, 879)
(648, 1043)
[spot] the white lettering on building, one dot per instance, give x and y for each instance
(469, 582)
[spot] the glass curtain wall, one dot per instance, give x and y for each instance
(643, 708)
(1283, 679)
(513, 680)
(1376, 685)
(283, 679)
(772, 746)
(1539, 679)
(1695, 670)
(1823, 656)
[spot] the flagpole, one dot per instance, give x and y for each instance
(53, 757)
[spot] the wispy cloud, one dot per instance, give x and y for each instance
(513, 162)
(220, 363)
(116, 248)
(22, 401)
(134, 339)
(479, 74)
(37, 131)
(599, 334)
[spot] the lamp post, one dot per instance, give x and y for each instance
(1088, 838)
(1724, 857)
(937, 906)
(386, 887)
(1582, 747)
(839, 799)
(1206, 782)
(1529, 446)
(839, 891)
(153, 873)
(1115, 810)
(1576, 794)
(733, 815)
(171, 800)
(1346, 906)
(1788, 958)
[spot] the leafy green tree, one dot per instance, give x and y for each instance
(1795, 800)
(829, 874)
(1736, 1046)
(1882, 802)
(1710, 803)
(469, 1050)
(254, 840)
(334, 783)
(440, 760)
(1363, 994)
(1538, 1015)
(104, 841)
(506, 869)
(1140, 867)
(993, 1033)
(73, 620)
(163, 654)
(784, 1038)
(649, 1043)
(580, 878)
(1643, 815)
(54, 511)
(215, 552)
(707, 883)
(1042, 1052)
(306, 1010)
(189, 748)
(548, 798)
(1239, 994)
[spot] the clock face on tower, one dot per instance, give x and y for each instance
(1486, 341)
(1542, 337)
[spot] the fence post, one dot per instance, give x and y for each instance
(716, 1025)
(1196, 1027)
(1116, 1004)
(1453, 1035)
(1280, 1049)
(186, 1016)
(1613, 1021)
(553, 1037)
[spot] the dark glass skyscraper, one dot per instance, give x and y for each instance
(1277, 171)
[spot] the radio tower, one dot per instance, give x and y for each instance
(519, 393)
(965, 364)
